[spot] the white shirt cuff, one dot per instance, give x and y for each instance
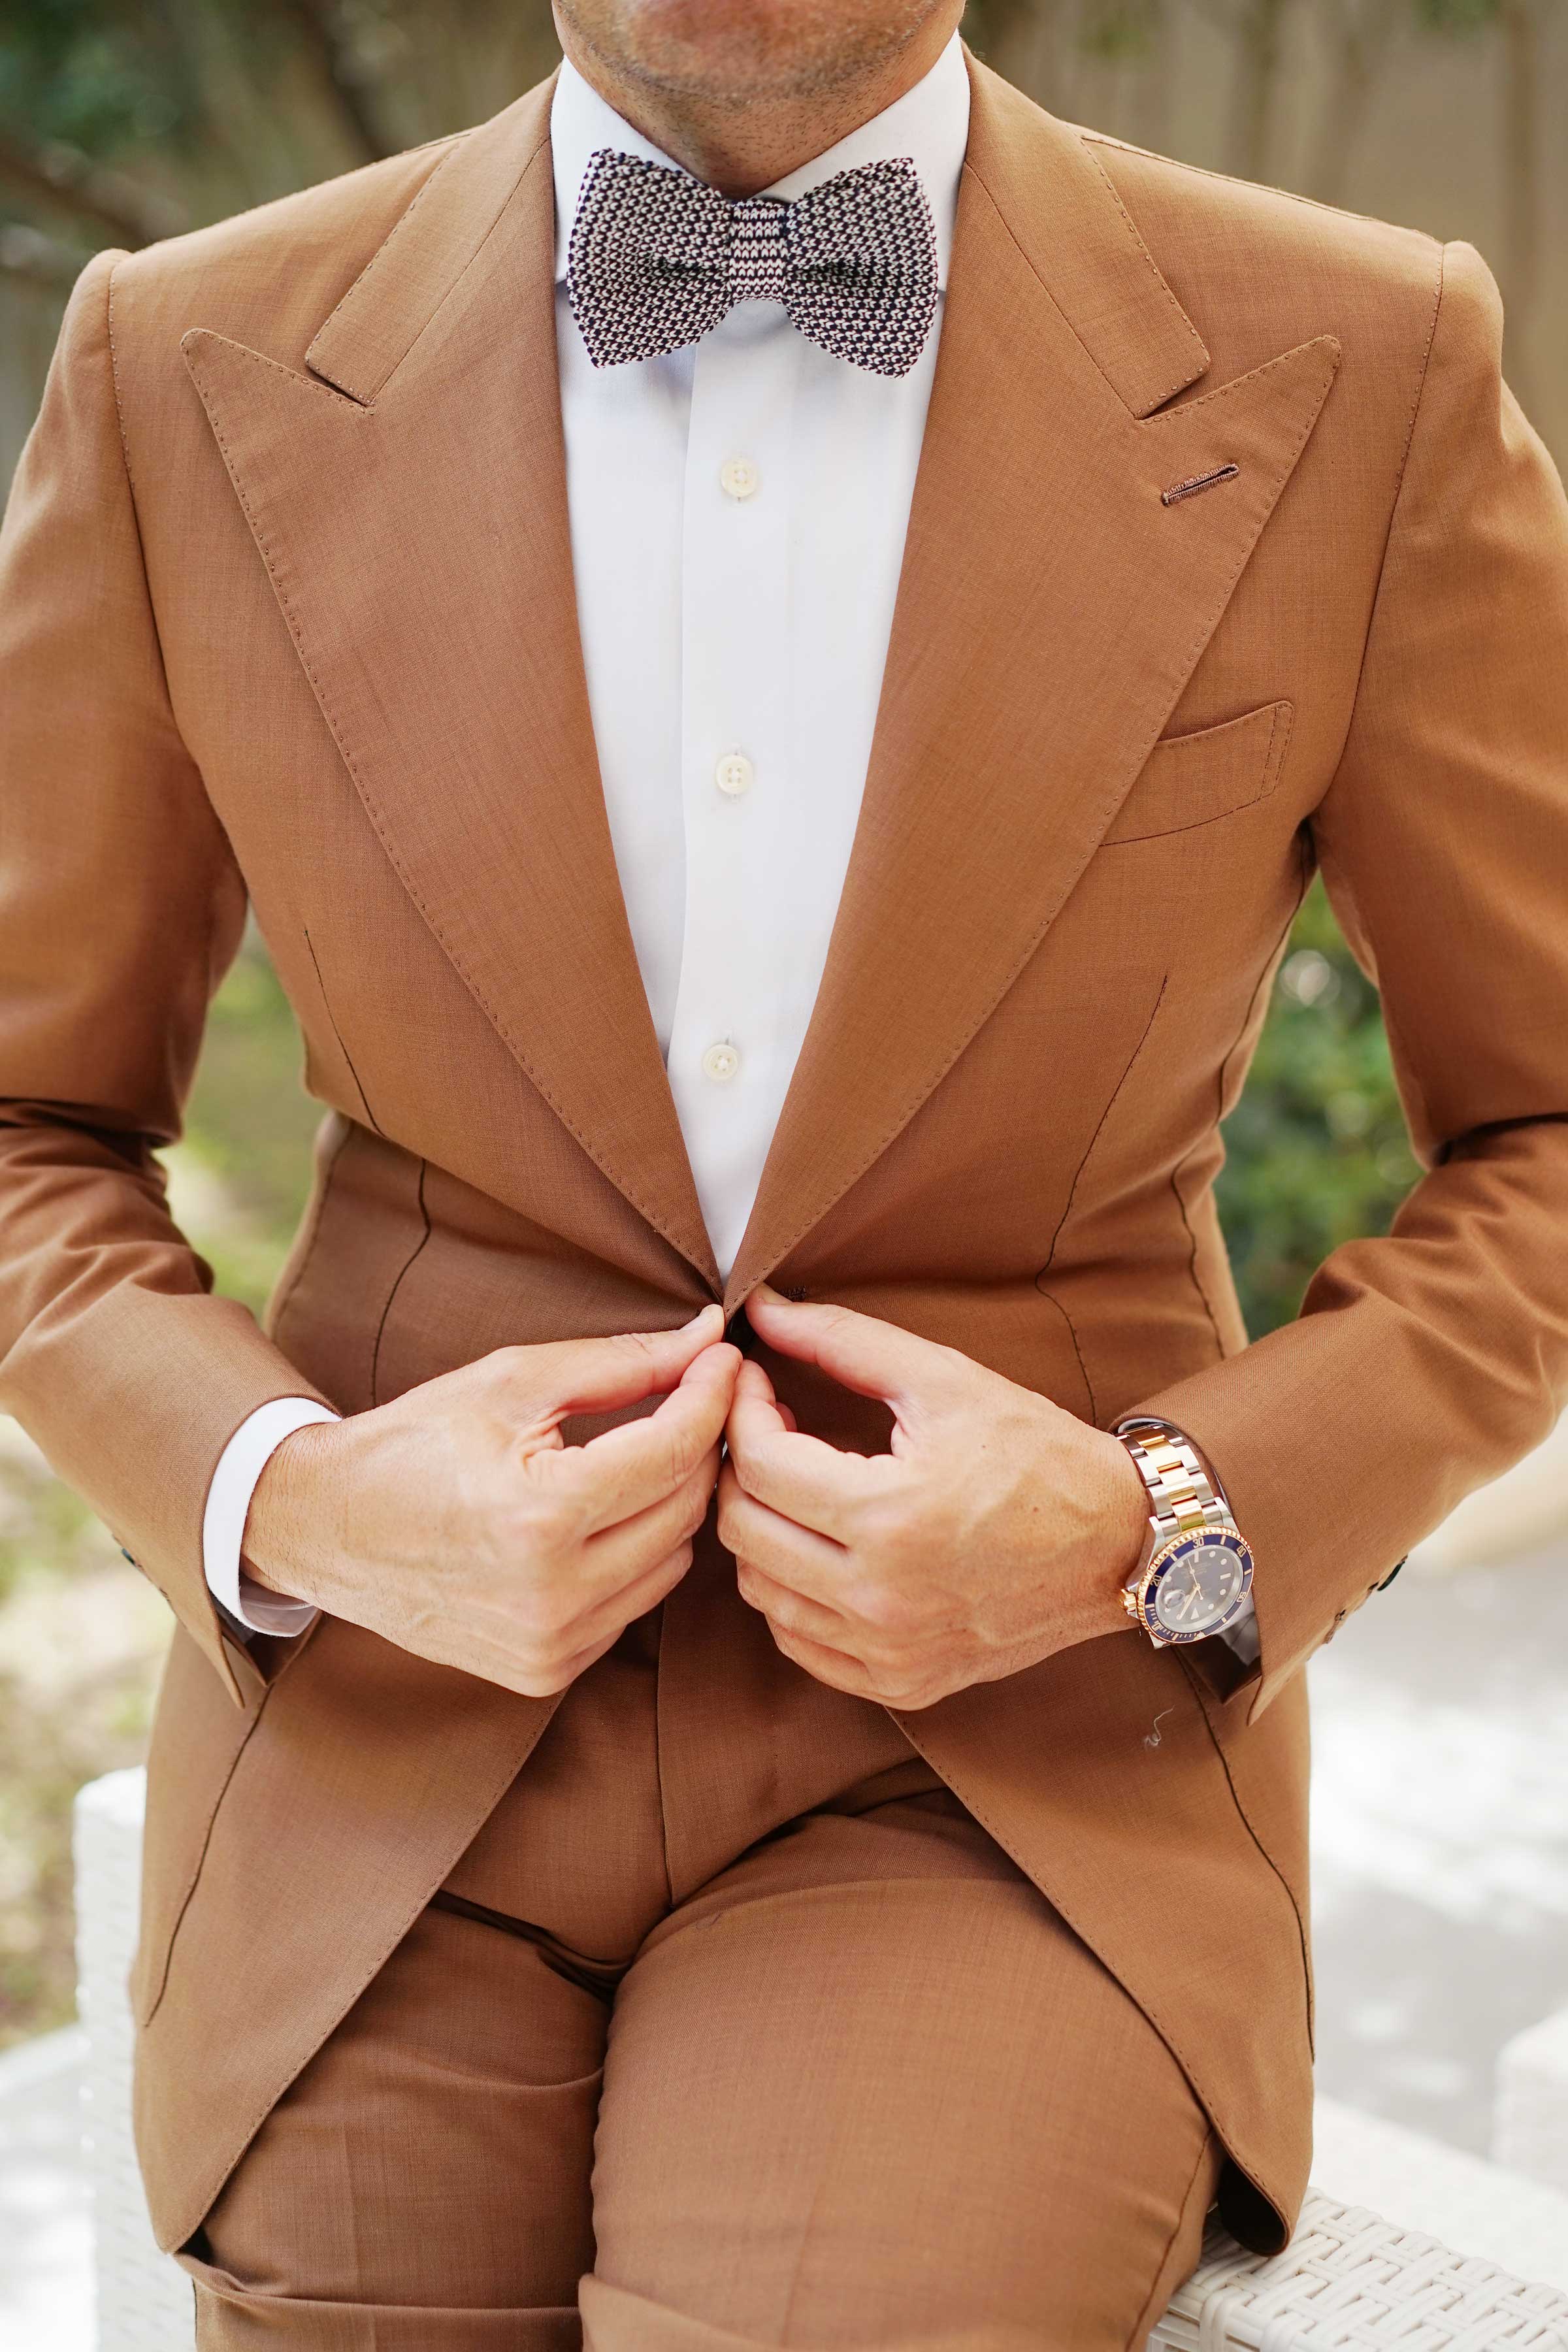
(240, 1466)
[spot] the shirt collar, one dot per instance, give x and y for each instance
(930, 123)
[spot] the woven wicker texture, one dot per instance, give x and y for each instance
(1349, 2280)
(1532, 2102)
(143, 2298)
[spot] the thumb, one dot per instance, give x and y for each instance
(859, 1352)
(755, 1412)
(567, 1376)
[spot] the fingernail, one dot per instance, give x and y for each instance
(765, 1290)
(698, 1315)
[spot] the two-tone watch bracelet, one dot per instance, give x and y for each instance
(1181, 1495)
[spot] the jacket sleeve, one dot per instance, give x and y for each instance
(121, 908)
(1426, 1362)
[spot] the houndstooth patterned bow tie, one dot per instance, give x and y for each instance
(656, 258)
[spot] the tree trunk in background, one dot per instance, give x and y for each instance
(1259, 34)
(1032, 43)
(322, 36)
(1154, 90)
(35, 260)
(1520, 25)
(1361, 33)
(466, 64)
(92, 197)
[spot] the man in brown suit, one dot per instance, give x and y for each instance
(579, 1908)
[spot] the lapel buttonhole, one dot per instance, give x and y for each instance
(1196, 482)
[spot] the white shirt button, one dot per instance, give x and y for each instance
(739, 477)
(735, 774)
(721, 1063)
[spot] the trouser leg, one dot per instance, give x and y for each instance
(424, 2186)
(425, 2182)
(868, 2090)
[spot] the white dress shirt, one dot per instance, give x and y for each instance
(738, 514)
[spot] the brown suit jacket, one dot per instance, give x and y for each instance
(286, 614)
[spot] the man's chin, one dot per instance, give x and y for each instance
(745, 52)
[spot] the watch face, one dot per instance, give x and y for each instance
(1196, 1584)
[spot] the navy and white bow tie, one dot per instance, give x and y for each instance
(658, 257)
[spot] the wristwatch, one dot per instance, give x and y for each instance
(1195, 1567)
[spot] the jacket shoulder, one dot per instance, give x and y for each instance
(1256, 266)
(269, 277)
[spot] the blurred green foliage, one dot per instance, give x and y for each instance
(239, 1175)
(1317, 1150)
(77, 1670)
(106, 80)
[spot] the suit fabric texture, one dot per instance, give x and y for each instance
(718, 2038)
(285, 618)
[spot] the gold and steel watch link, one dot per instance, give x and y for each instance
(1196, 1569)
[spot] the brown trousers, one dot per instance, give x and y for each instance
(705, 2048)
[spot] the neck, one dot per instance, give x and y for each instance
(740, 144)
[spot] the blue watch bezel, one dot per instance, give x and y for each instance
(1164, 1560)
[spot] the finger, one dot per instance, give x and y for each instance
(754, 1385)
(842, 1672)
(611, 1615)
(761, 1381)
(627, 1468)
(561, 1677)
(804, 1478)
(567, 1376)
(617, 1555)
(859, 1352)
(824, 1665)
(807, 1562)
(793, 1610)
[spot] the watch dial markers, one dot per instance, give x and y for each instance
(1201, 1581)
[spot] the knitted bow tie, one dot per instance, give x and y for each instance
(656, 258)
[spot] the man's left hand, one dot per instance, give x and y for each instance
(996, 1532)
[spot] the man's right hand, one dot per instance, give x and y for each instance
(456, 1523)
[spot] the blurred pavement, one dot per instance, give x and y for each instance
(1440, 1838)
(46, 2241)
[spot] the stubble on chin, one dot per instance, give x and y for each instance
(743, 53)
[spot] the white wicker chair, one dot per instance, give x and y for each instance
(1349, 2282)
(1531, 2133)
(144, 2302)
(1352, 2281)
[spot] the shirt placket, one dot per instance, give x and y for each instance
(726, 1058)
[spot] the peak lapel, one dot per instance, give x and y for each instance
(409, 500)
(1050, 611)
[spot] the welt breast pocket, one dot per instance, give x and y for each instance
(1192, 779)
